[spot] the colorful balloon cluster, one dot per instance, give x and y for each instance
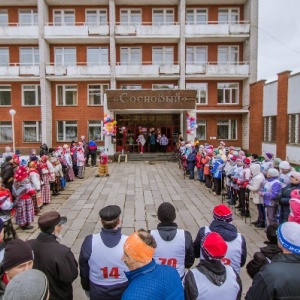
(191, 123)
(109, 127)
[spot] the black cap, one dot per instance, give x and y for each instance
(50, 219)
(166, 213)
(110, 212)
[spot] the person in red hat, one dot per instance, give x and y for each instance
(23, 192)
(211, 279)
(222, 224)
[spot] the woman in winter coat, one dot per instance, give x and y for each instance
(295, 207)
(216, 172)
(80, 161)
(255, 186)
(191, 161)
(206, 161)
(284, 201)
(35, 180)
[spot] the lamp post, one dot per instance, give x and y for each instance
(12, 112)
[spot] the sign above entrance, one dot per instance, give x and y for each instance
(151, 99)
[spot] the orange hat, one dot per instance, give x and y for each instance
(137, 249)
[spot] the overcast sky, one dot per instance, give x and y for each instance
(278, 37)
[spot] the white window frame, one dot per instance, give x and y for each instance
(131, 87)
(229, 51)
(228, 86)
(166, 53)
(63, 55)
(32, 14)
(4, 57)
(129, 15)
(3, 17)
(63, 15)
(192, 50)
(34, 55)
(102, 56)
(165, 13)
(202, 125)
(128, 52)
(194, 13)
(8, 126)
(163, 86)
(202, 90)
(230, 13)
(36, 88)
(96, 123)
(66, 88)
(5, 88)
(99, 90)
(38, 131)
(65, 124)
(294, 129)
(232, 135)
(99, 14)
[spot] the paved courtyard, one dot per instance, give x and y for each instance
(139, 188)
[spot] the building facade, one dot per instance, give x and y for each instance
(275, 117)
(58, 59)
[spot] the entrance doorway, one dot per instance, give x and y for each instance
(132, 125)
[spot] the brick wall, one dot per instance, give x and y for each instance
(256, 119)
(282, 117)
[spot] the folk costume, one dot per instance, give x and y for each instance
(35, 180)
(47, 176)
(103, 164)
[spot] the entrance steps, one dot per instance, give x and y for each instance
(147, 156)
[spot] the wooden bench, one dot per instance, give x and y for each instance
(120, 157)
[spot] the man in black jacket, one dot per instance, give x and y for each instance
(174, 246)
(54, 259)
(7, 173)
(280, 279)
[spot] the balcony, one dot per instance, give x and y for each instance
(81, 70)
(239, 70)
(17, 34)
(17, 71)
(236, 32)
(146, 31)
(78, 33)
(147, 69)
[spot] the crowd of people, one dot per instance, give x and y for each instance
(28, 184)
(271, 184)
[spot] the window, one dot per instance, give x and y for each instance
(95, 131)
(66, 131)
(28, 17)
(228, 54)
(227, 130)
(64, 18)
(294, 129)
(162, 55)
(130, 17)
(29, 56)
(201, 129)
(95, 93)
(32, 131)
(66, 94)
(5, 95)
(31, 95)
(230, 15)
(196, 55)
(65, 56)
(131, 56)
(5, 132)
(196, 16)
(3, 17)
(96, 17)
(162, 17)
(270, 129)
(228, 93)
(4, 57)
(201, 91)
(131, 87)
(97, 56)
(165, 86)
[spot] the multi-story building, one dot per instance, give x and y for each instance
(58, 58)
(275, 117)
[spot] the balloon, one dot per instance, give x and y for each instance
(105, 115)
(188, 131)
